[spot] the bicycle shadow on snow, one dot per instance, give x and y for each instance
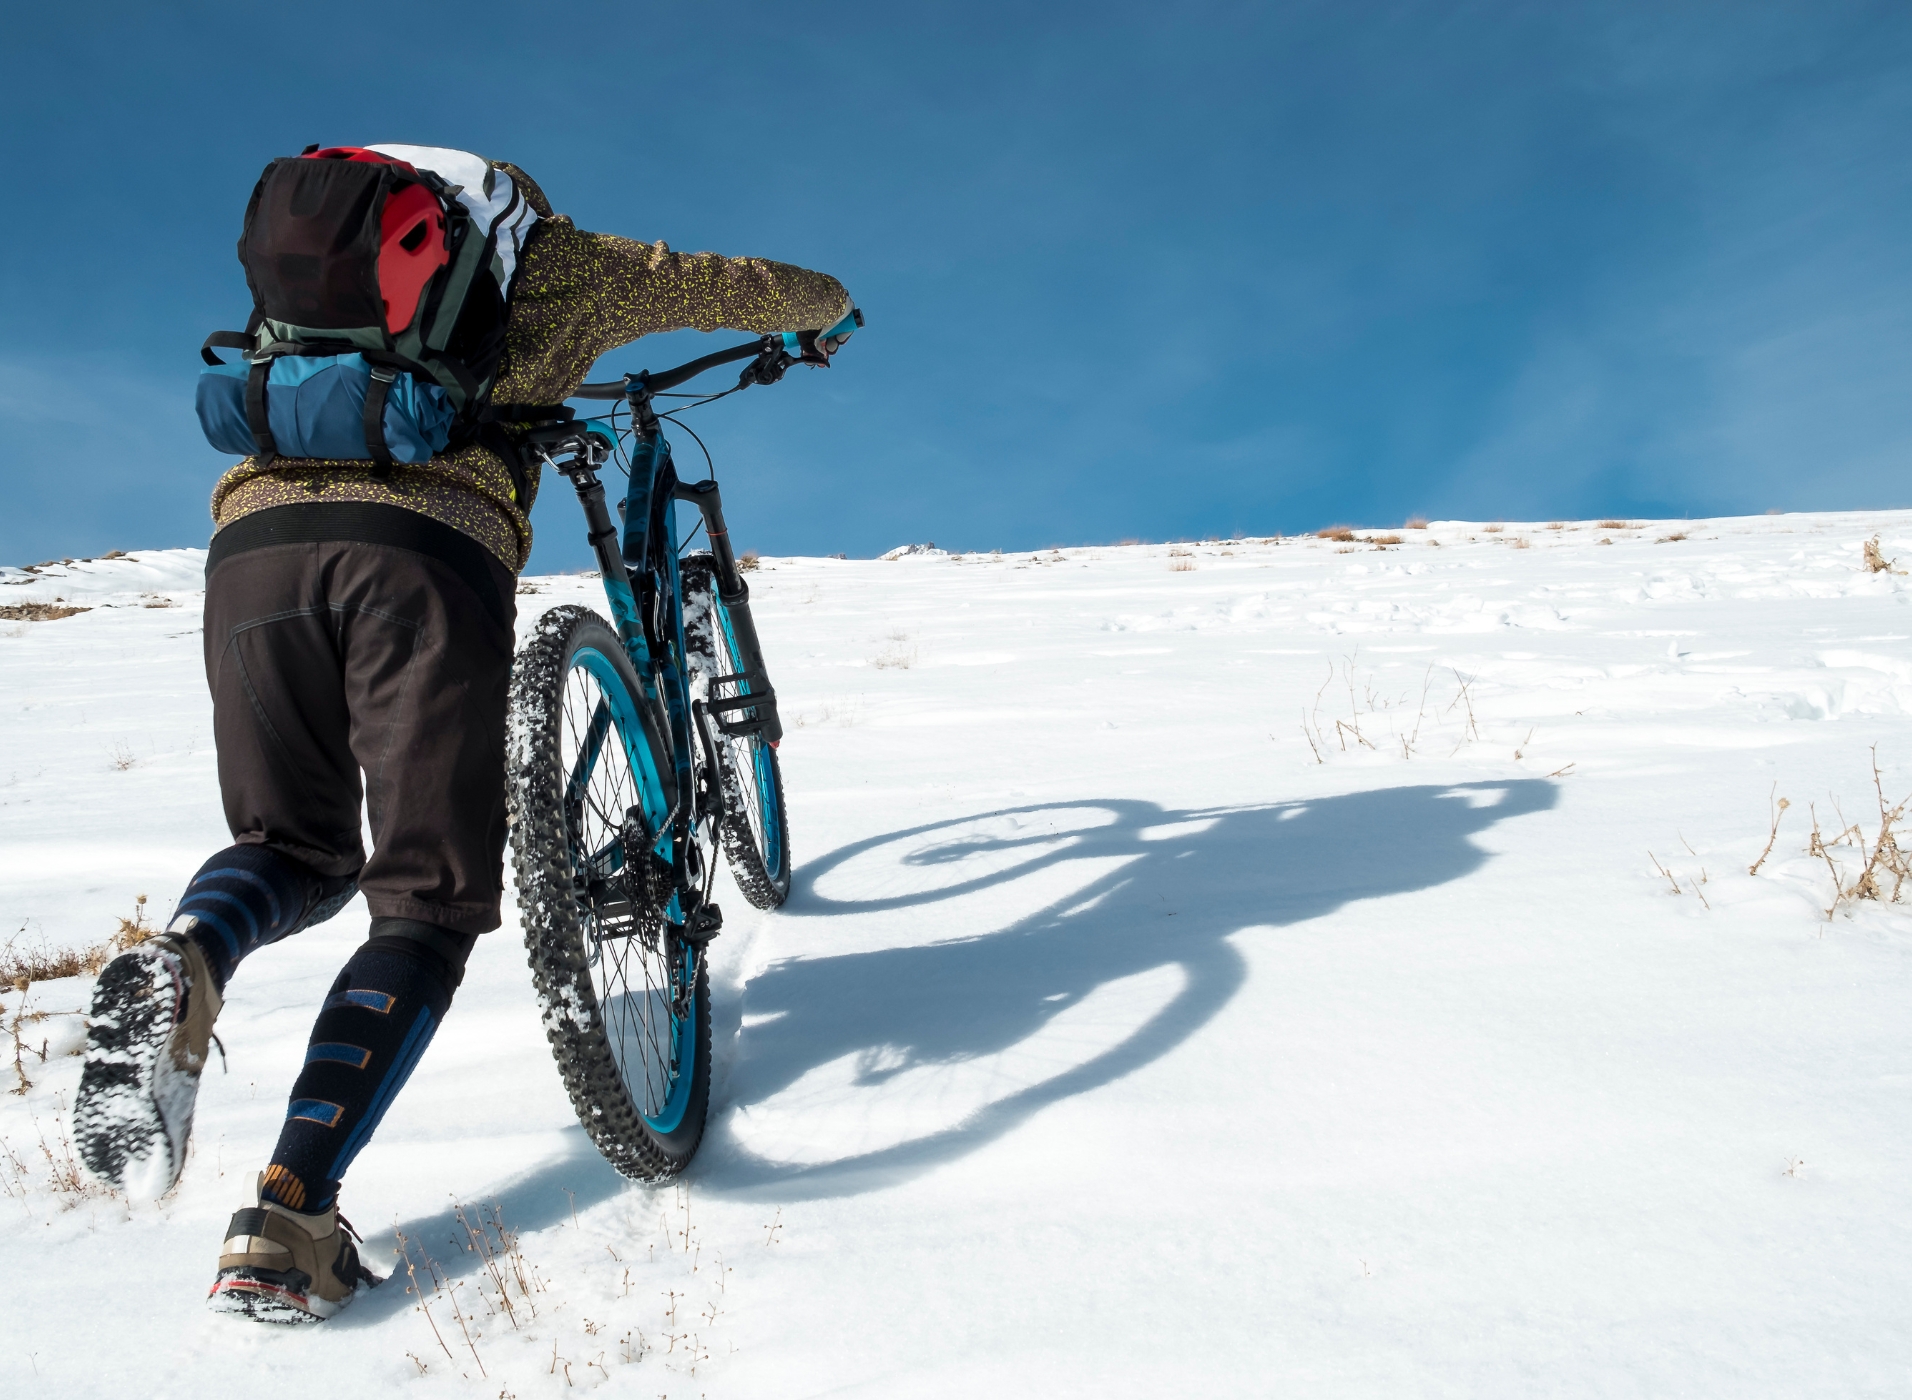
(1031, 1006)
(1174, 888)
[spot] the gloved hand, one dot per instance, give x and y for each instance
(816, 347)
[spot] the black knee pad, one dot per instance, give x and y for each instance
(444, 950)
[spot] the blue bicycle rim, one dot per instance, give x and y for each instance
(630, 732)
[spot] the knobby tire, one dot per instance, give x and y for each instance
(568, 961)
(753, 825)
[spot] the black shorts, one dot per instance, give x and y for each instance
(329, 659)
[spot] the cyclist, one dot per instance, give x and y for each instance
(359, 621)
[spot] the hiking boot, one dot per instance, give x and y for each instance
(280, 1265)
(146, 1043)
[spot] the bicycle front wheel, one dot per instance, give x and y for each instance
(753, 826)
(626, 1003)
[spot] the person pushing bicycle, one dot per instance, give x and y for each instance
(411, 304)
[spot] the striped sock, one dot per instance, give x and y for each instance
(248, 896)
(375, 1024)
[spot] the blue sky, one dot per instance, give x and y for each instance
(1131, 270)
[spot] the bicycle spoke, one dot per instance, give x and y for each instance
(633, 982)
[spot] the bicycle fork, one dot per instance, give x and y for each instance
(701, 921)
(752, 709)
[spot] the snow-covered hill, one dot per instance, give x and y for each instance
(1249, 968)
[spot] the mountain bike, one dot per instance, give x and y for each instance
(638, 746)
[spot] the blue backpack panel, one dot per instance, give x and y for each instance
(316, 406)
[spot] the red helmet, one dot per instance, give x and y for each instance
(412, 241)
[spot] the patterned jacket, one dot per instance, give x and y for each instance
(577, 296)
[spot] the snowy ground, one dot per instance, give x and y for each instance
(1110, 1044)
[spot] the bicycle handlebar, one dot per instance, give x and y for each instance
(671, 378)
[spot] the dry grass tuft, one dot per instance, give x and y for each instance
(1494, 529)
(38, 612)
(747, 562)
(1611, 525)
(897, 656)
(21, 970)
(1876, 562)
(1382, 541)
(1181, 566)
(1520, 542)
(1556, 524)
(1343, 533)
(1673, 538)
(1415, 522)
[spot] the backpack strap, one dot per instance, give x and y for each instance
(256, 412)
(225, 340)
(375, 392)
(494, 436)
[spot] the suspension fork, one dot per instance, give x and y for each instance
(603, 535)
(753, 710)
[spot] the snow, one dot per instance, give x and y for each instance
(1110, 1043)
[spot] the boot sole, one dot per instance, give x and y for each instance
(134, 1109)
(265, 1295)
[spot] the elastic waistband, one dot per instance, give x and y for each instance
(372, 522)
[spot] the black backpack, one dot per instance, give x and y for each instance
(380, 278)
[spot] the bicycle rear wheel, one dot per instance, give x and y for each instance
(626, 1004)
(753, 826)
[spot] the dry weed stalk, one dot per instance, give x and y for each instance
(1665, 872)
(15, 1182)
(1779, 810)
(1693, 886)
(1365, 704)
(442, 1289)
(1883, 858)
(19, 1047)
(497, 1249)
(1466, 699)
(65, 1179)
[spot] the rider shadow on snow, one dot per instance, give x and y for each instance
(1217, 871)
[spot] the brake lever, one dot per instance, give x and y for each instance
(767, 368)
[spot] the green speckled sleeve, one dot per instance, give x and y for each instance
(582, 294)
(578, 295)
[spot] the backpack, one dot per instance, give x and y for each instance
(380, 279)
